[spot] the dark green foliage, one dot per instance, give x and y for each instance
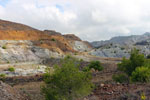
(121, 78)
(86, 69)
(122, 48)
(53, 39)
(137, 67)
(147, 63)
(129, 65)
(67, 82)
(141, 74)
(148, 56)
(96, 65)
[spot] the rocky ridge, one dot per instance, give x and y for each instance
(121, 46)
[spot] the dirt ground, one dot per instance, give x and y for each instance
(106, 88)
(31, 89)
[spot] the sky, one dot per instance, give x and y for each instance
(91, 20)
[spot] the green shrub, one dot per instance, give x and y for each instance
(121, 78)
(53, 39)
(141, 74)
(81, 60)
(129, 65)
(4, 47)
(11, 69)
(96, 65)
(67, 82)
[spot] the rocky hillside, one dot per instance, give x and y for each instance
(9, 93)
(21, 43)
(121, 46)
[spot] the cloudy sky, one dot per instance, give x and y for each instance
(89, 19)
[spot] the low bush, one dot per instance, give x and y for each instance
(141, 74)
(121, 78)
(2, 75)
(4, 47)
(96, 65)
(53, 39)
(11, 69)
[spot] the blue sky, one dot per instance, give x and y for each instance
(90, 19)
(60, 7)
(4, 2)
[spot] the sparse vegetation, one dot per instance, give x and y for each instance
(11, 69)
(41, 42)
(95, 65)
(2, 75)
(121, 78)
(8, 62)
(53, 39)
(67, 82)
(122, 48)
(81, 60)
(143, 97)
(75, 53)
(4, 47)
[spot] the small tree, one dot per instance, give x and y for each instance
(67, 82)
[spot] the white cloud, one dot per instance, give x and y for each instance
(99, 17)
(89, 19)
